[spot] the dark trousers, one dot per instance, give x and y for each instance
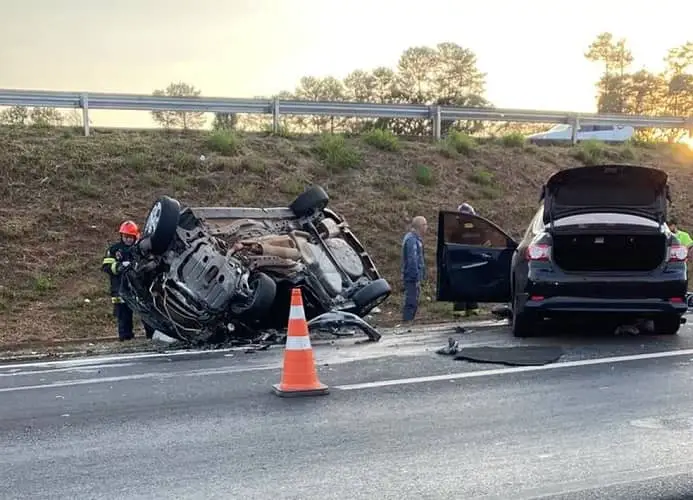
(411, 300)
(124, 316)
(465, 306)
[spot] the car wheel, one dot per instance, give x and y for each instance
(667, 325)
(161, 224)
(523, 324)
(311, 200)
(371, 296)
(263, 292)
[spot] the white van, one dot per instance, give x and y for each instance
(606, 133)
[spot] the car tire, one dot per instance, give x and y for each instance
(311, 200)
(523, 324)
(161, 224)
(667, 325)
(264, 292)
(371, 296)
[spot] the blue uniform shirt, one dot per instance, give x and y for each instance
(413, 265)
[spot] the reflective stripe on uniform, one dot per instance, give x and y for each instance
(107, 261)
(116, 300)
(114, 268)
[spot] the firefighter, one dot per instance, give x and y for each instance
(117, 259)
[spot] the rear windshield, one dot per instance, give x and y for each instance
(604, 194)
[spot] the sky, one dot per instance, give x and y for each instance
(532, 50)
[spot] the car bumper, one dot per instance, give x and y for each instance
(567, 304)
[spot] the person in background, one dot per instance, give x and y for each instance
(117, 259)
(683, 237)
(465, 308)
(413, 267)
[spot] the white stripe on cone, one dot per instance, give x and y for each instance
(296, 312)
(301, 343)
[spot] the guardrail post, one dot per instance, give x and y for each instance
(84, 102)
(275, 116)
(575, 125)
(436, 119)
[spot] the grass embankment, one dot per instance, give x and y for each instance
(64, 196)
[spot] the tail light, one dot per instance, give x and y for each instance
(678, 253)
(538, 252)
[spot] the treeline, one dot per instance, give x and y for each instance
(643, 92)
(446, 74)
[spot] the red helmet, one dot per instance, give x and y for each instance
(129, 228)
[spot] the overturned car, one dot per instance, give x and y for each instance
(204, 275)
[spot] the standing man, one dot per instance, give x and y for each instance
(465, 308)
(117, 259)
(413, 267)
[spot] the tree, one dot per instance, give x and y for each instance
(643, 92)
(311, 88)
(46, 117)
(179, 119)
(616, 58)
(15, 116)
(225, 121)
(444, 74)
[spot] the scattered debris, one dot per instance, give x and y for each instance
(643, 326)
(511, 356)
(450, 349)
(502, 312)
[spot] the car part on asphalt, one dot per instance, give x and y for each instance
(598, 245)
(511, 356)
(211, 275)
(335, 320)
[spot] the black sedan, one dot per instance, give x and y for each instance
(598, 244)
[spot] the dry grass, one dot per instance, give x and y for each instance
(64, 196)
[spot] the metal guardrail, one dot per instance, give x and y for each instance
(277, 107)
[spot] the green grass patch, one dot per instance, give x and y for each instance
(382, 139)
(225, 142)
(336, 154)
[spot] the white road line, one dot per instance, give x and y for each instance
(17, 372)
(519, 369)
(114, 358)
(139, 376)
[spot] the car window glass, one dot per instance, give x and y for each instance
(466, 229)
(536, 225)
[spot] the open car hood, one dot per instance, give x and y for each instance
(627, 189)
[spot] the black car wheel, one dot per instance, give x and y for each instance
(313, 199)
(371, 295)
(667, 325)
(263, 291)
(161, 224)
(523, 324)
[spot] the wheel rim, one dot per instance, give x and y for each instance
(153, 219)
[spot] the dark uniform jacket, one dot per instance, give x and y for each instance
(116, 254)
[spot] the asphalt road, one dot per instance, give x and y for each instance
(613, 419)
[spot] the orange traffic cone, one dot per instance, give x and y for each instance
(299, 375)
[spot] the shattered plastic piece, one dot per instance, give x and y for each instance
(452, 348)
(159, 336)
(336, 320)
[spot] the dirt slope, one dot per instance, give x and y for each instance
(64, 195)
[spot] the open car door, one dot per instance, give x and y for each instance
(473, 259)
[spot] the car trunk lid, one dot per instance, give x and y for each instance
(626, 189)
